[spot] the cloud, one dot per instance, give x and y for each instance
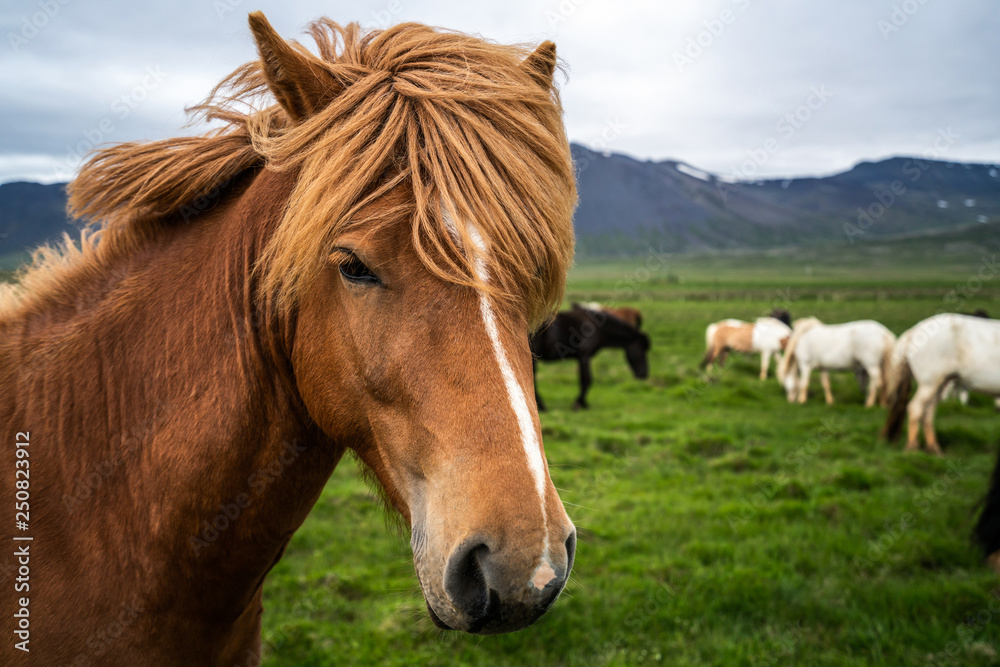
(709, 83)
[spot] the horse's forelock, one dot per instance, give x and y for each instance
(453, 118)
(467, 129)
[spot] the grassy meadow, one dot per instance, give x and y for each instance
(718, 524)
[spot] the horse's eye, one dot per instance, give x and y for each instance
(355, 271)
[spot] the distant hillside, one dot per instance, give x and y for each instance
(627, 205)
(30, 214)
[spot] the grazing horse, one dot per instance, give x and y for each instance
(626, 313)
(945, 348)
(351, 260)
(763, 336)
(834, 347)
(952, 388)
(581, 333)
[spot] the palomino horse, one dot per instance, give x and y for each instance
(945, 348)
(834, 347)
(763, 336)
(394, 225)
(581, 333)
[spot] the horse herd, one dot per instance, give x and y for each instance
(944, 355)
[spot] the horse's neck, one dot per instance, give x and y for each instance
(168, 421)
(617, 333)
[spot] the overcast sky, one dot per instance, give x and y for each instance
(743, 88)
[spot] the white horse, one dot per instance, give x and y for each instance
(764, 336)
(834, 347)
(937, 351)
(952, 389)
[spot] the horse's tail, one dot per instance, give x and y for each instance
(898, 383)
(987, 531)
(788, 359)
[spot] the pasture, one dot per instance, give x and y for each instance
(717, 523)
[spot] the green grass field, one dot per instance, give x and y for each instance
(718, 524)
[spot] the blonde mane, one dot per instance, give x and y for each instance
(465, 125)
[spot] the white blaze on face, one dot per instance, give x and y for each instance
(515, 393)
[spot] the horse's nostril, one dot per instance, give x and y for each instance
(570, 552)
(464, 580)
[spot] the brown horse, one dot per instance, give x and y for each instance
(625, 313)
(356, 266)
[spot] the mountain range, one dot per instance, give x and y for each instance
(627, 205)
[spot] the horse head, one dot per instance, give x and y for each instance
(637, 354)
(411, 327)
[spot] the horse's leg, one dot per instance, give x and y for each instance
(585, 379)
(824, 379)
(874, 386)
(534, 380)
(915, 413)
(765, 363)
(883, 391)
(804, 373)
(930, 435)
(710, 354)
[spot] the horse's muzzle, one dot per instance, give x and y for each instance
(478, 587)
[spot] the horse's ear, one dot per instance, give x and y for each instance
(299, 83)
(541, 64)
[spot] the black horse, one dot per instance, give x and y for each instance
(579, 334)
